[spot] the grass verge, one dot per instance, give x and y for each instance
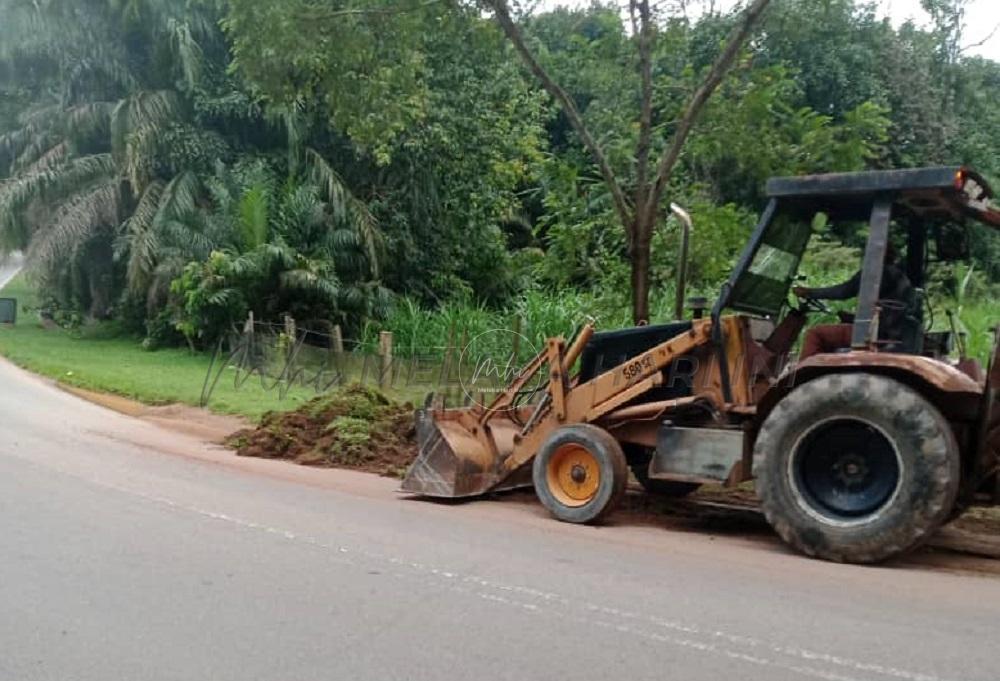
(96, 358)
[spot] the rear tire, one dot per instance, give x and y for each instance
(580, 473)
(856, 468)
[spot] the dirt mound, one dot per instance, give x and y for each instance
(358, 428)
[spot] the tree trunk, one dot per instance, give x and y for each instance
(638, 220)
(100, 276)
(639, 254)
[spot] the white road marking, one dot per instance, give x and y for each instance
(553, 604)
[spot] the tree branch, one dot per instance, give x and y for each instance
(723, 63)
(322, 13)
(982, 42)
(514, 34)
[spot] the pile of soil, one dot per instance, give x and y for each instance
(358, 428)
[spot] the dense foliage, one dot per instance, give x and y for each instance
(178, 164)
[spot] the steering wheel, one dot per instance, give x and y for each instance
(807, 304)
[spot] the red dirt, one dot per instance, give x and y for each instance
(357, 428)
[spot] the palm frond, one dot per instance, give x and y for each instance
(136, 121)
(140, 242)
(290, 119)
(42, 129)
(180, 197)
(186, 238)
(50, 185)
(163, 276)
(253, 211)
(223, 297)
(219, 188)
(74, 223)
(347, 208)
(35, 123)
(246, 264)
(74, 38)
(38, 147)
(140, 151)
(104, 61)
(301, 216)
(42, 115)
(88, 120)
(12, 145)
(307, 281)
(277, 255)
(344, 239)
(186, 49)
(156, 218)
(50, 160)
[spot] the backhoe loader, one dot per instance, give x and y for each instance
(858, 454)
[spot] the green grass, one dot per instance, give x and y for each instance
(977, 320)
(97, 358)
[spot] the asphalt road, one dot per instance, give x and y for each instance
(131, 552)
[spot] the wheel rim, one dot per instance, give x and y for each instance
(846, 469)
(573, 475)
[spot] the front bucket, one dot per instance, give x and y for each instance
(452, 461)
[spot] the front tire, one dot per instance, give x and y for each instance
(856, 468)
(580, 473)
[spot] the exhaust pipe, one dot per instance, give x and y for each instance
(682, 265)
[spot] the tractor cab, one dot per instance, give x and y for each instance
(926, 211)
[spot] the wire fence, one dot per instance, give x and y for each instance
(282, 357)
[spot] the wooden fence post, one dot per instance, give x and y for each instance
(335, 352)
(338, 341)
(337, 347)
(290, 336)
(385, 351)
(248, 333)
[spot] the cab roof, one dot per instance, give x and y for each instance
(937, 194)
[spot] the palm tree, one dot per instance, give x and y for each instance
(81, 167)
(90, 188)
(282, 248)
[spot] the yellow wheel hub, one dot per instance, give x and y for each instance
(573, 475)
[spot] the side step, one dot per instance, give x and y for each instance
(703, 455)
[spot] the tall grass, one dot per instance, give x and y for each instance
(534, 315)
(537, 315)
(977, 321)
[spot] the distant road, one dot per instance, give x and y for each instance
(134, 553)
(9, 267)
